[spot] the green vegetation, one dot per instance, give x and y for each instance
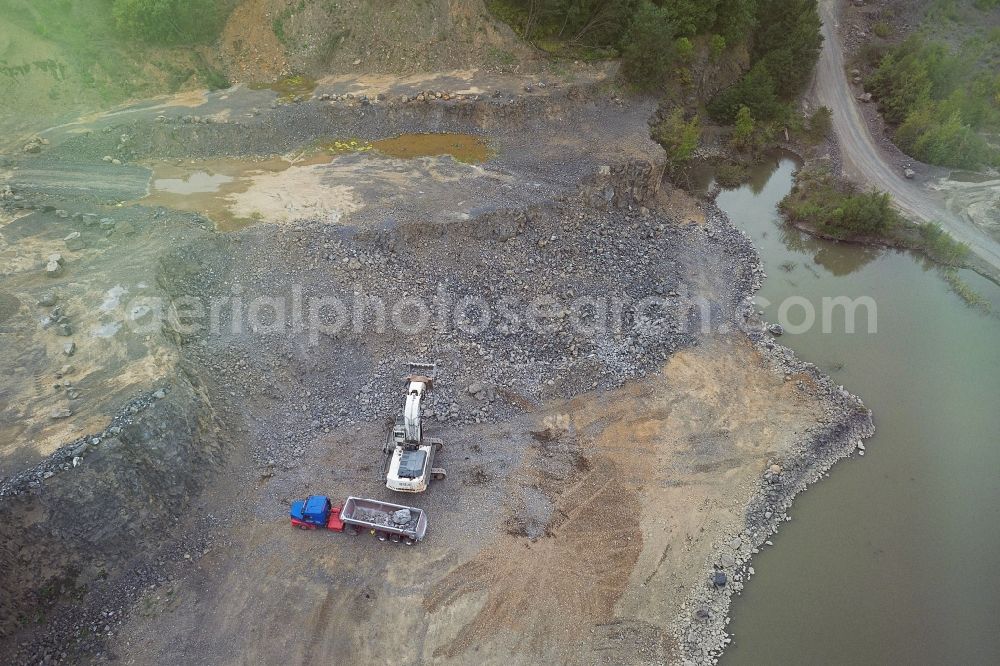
(786, 46)
(649, 46)
(665, 44)
(574, 28)
(171, 21)
(964, 291)
(940, 101)
(940, 246)
(820, 124)
(836, 209)
(679, 138)
(63, 56)
(742, 138)
(658, 38)
(882, 29)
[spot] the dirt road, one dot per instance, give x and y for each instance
(864, 161)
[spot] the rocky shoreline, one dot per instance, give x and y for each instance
(700, 630)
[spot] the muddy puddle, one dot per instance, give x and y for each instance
(466, 148)
(197, 182)
(314, 182)
(288, 87)
(209, 186)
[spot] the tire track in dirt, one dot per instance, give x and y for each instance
(319, 629)
(570, 578)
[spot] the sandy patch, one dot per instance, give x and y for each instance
(978, 202)
(296, 193)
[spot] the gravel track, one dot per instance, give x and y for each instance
(866, 163)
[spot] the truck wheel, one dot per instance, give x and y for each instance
(381, 536)
(304, 527)
(408, 541)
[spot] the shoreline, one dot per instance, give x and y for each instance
(701, 630)
(807, 157)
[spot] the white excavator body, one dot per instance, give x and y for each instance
(409, 456)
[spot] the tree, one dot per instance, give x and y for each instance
(735, 19)
(646, 51)
(755, 90)
(718, 45)
(690, 17)
(786, 46)
(684, 49)
(678, 137)
(788, 42)
(820, 123)
(901, 86)
(951, 143)
(596, 23)
(869, 213)
(743, 131)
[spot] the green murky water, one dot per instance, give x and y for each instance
(894, 558)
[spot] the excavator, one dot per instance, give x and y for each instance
(408, 456)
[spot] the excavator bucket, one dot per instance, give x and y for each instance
(422, 372)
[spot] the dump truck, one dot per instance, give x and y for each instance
(385, 520)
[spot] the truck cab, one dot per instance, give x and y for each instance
(315, 512)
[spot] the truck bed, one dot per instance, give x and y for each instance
(378, 515)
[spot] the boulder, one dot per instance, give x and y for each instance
(74, 242)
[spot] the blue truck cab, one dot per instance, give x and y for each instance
(316, 512)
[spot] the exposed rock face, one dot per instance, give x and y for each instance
(627, 185)
(63, 525)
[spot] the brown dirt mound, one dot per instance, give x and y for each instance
(267, 39)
